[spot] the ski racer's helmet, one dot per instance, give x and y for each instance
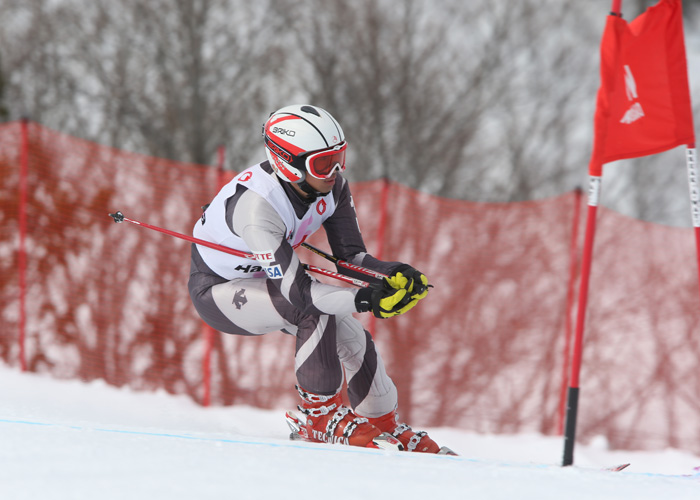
(302, 139)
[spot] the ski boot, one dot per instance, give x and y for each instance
(327, 420)
(410, 439)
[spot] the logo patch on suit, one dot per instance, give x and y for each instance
(266, 257)
(239, 299)
(274, 272)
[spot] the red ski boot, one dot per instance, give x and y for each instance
(411, 440)
(329, 421)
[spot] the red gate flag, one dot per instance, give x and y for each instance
(643, 104)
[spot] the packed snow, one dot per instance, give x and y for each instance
(71, 440)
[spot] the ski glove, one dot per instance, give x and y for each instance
(390, 298)
(416, 282)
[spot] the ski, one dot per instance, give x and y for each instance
(444, 450)
(617, 468)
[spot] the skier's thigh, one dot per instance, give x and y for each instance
(246, 302)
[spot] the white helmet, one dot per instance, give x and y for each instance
(301, 139)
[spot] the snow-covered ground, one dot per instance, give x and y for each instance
(69, 440)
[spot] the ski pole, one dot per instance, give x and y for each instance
(338, 276)
(346, 264)
(343, 263)
(119, 217)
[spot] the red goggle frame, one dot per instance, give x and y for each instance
(323, 164)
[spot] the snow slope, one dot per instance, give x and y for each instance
(69, 440)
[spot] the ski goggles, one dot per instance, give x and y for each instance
(323, 164)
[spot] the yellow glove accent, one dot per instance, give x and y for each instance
(389, 302)
(418, 296)
(398, 281)
(403, 286)
(406, 308)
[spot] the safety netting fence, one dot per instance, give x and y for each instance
(488, 350)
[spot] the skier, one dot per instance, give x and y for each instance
(269, 210)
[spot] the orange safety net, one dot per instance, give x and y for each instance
(486, 351)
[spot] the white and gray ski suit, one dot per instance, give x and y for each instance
(259, 214)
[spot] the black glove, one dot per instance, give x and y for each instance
(416, 282)
(390, 298)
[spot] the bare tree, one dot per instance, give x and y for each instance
(546, 103)
(32, 47)
(171, 79)
(483, 100)
(4, 112)
(409, 98)
(477, 100)
(185, 76)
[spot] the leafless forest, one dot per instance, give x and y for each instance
(485, 100)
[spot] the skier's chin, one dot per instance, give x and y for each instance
(322, 185)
